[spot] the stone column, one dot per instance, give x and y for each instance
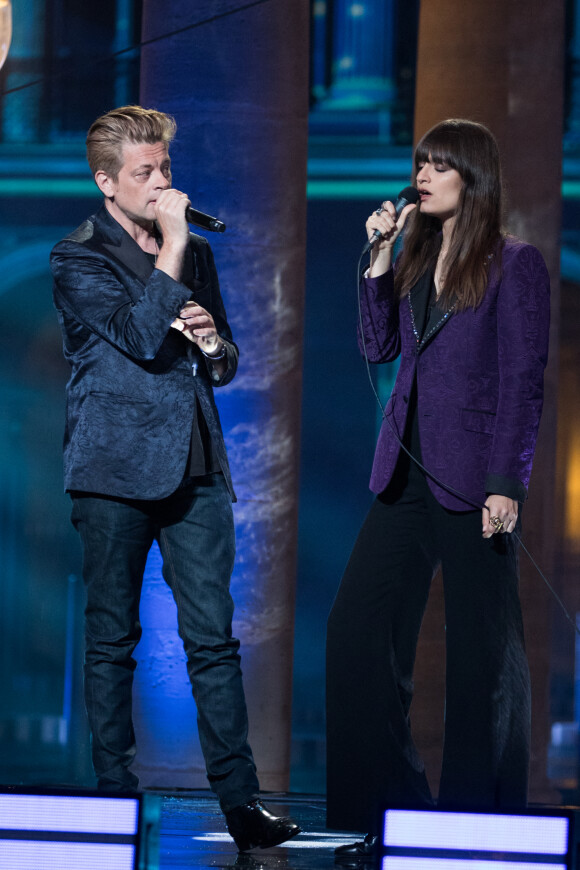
(363, 54)
(124, 29)
(500, 62)
(362, 91)
(572, 137)
(236, 80)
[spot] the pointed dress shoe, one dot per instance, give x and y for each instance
(357, 853)
(253, 826)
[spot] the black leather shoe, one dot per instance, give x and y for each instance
(253, 826)
(363, 850)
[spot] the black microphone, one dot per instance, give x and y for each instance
(406, 196)
(205, 221)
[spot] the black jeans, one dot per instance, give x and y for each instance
(194, 529)
(373, 631)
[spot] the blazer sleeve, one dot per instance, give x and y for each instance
(523, 320)
(379, 336)
(90, 291)
(218, 312)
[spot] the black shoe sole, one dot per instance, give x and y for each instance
(247, 845)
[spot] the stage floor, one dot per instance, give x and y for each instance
(193, 834)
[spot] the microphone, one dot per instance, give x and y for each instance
(407, 195)
(205, 221)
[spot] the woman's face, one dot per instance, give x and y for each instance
(440, 189)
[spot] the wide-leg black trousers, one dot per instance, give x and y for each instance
(373, 631)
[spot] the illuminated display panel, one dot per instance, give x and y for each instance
(68, 832)
(38, 855)
(546, 835)
(411, 863)
(95, 815)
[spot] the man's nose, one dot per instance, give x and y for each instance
(161, 180)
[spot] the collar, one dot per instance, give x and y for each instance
(418, 299)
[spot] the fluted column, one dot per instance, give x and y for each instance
(237, 83)
(363, 54)
(355, 86)
(500, 62)
(572, 137)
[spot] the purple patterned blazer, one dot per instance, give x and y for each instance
(131, 394)
(479, 374)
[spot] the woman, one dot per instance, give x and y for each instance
(467, 310)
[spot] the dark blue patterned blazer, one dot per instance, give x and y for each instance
(131, 393)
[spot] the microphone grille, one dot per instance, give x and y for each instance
(411, 194)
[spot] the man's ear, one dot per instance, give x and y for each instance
(104, 183)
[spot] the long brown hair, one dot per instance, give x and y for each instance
(472, 150)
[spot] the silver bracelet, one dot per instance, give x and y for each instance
(220, 355)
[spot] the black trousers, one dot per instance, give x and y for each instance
(373, 631)
(195, 531)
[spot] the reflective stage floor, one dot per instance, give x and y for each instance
(193, 834)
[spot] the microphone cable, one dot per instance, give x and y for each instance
(433, 477)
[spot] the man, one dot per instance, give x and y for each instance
(146, 335)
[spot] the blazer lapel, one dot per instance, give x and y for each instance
(418, 305)
(120, 246)
(418, 301)
(132, 256)
(128, 252)
(437, 327)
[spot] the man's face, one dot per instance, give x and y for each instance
(146, 171)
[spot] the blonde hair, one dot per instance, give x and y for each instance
(134, 124)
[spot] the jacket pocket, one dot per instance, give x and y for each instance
(478, 421)
(115, 421)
